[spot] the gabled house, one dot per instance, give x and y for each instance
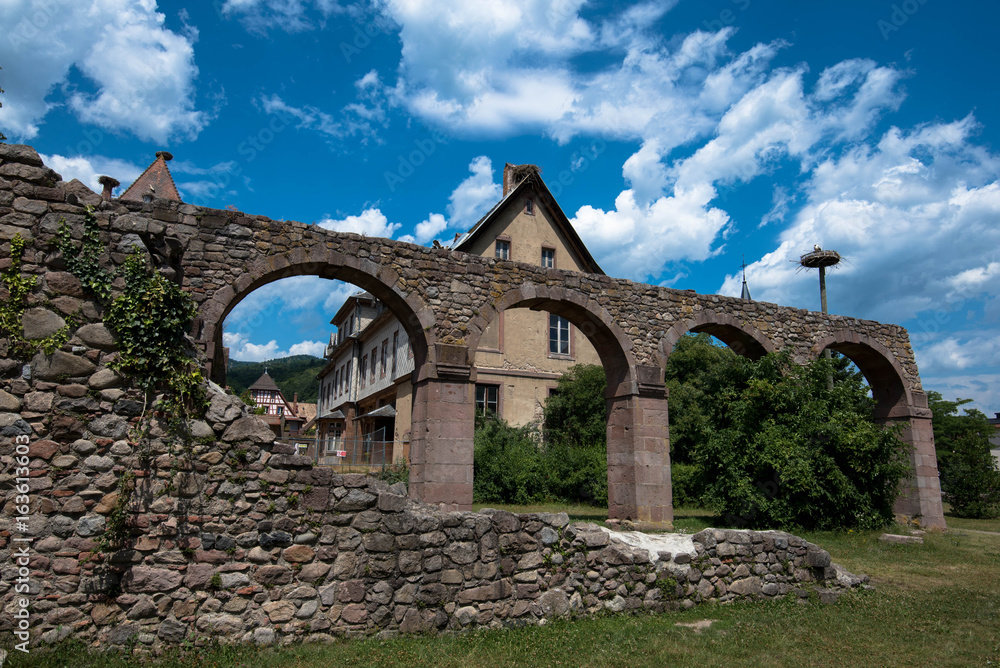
(282, 416)
(365, 393)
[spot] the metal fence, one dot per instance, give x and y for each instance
(367, 452)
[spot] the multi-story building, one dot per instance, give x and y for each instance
(365, 390)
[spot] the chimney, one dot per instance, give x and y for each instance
(514, 174)
(109, 185)
(508, 178)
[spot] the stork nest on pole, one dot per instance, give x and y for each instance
(819, 258)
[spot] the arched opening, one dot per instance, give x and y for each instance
(555, 330)
(897, 403)
(704, 347)
(375, 343)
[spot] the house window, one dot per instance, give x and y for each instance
(529, 207)
(281, 410)
(549, 258)
(503, 250)
(487, 397)
(385, 357)
(395, 349)
(374, 363)
(347, 378)
(364, 370)
(558, 335)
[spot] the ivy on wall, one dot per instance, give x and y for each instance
(150, 318)
(12, 309)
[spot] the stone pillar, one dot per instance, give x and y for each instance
(441, 441)
(639, 453)
(920, 497)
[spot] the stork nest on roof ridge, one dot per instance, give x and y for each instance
(521, 172)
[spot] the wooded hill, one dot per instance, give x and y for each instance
(292, 374)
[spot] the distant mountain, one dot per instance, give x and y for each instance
(292, 374)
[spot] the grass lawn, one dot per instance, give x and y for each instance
(934, 604)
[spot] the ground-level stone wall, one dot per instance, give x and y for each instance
(277, 551)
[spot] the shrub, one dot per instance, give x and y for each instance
(685, 484)
(969, 479)
(787, 452)
(508, 464)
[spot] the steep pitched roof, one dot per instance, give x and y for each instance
(533, 181)
(265, 382)
(155, 181)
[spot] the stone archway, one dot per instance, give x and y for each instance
(414, 315)
(637, 439)
(897, 402)
(742, 337)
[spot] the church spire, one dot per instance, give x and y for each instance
(746, 291)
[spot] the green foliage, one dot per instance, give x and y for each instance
(575, 413)
(969, 479)
(292, 374)
(695, 374)
(685, 484)
(247, 398)
(85, 262)
(12, 309)
(507, 463)
(118, 529)
(150, 318)
(396, 472)
(514, 465)
(786, 452)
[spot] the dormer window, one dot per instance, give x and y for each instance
(529, 207)
(147, 198)
(503, 249)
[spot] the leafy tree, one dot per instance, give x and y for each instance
(969, 479)
(785, 451)
(694, 377)
(575, 413)
(508, 466)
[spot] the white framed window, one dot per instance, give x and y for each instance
(558, 335)
(549, 258)
(529, 207)
(503, 249)
(487, 398)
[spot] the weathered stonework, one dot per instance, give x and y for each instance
(445, 300)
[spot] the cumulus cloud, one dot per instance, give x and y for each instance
(358, 119)
(371, 223)
(143, 73)
(244, 351)
(914, 216)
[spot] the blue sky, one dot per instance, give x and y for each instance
(679, 137)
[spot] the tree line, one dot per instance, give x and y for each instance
(765, 444)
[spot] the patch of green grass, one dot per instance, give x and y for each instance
(934, 604)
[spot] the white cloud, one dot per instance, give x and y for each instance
(983, 387)
(914, 216)
(355, 119)
(260, 16)
(428, 229)
(371, 223)
(143, 72)
(959, 354)
(88, 168)
(474, 196)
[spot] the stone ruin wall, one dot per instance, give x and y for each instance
(236, 538)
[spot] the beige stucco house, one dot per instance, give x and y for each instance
(364, 408)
